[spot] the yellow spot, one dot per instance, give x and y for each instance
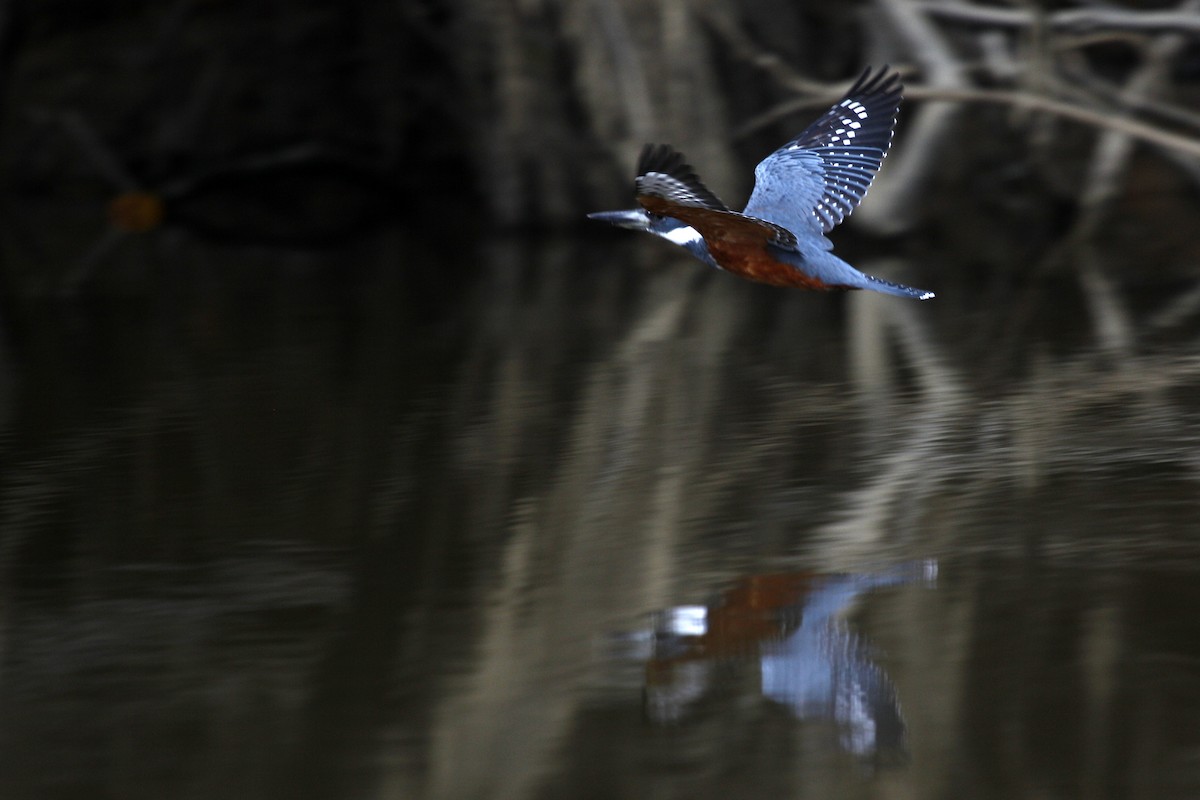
(136, 212)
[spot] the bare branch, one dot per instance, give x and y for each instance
(753, 53)
(1127, 99)
(630, 77)
(1073, 20)
(1110, 161)
(894, 207)
(1025, 100)
(1177, 310)
(98, 154)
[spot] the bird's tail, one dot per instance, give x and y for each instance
(887, 287)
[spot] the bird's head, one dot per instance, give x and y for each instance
(638, 219)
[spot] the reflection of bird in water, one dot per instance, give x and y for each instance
(823, 670)
(801, 192)
(809, 660)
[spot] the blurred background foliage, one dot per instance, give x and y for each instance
(308, 121)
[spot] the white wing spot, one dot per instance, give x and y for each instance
(858, 108)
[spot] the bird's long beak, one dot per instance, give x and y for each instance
(632, 218)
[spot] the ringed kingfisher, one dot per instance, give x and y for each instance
(801, 191)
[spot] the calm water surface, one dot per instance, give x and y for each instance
(586, 521)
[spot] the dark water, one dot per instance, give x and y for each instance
(580, 520)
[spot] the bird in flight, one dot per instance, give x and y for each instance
(801, 191)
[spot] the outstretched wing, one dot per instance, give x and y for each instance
(667, 186)
(662, 172)
(813, 182)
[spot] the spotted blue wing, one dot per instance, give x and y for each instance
(813, 182)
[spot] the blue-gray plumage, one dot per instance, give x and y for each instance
(801, 191)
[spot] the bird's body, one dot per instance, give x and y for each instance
(801, 192)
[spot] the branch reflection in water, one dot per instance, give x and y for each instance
(434, 518)
(711, 429)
